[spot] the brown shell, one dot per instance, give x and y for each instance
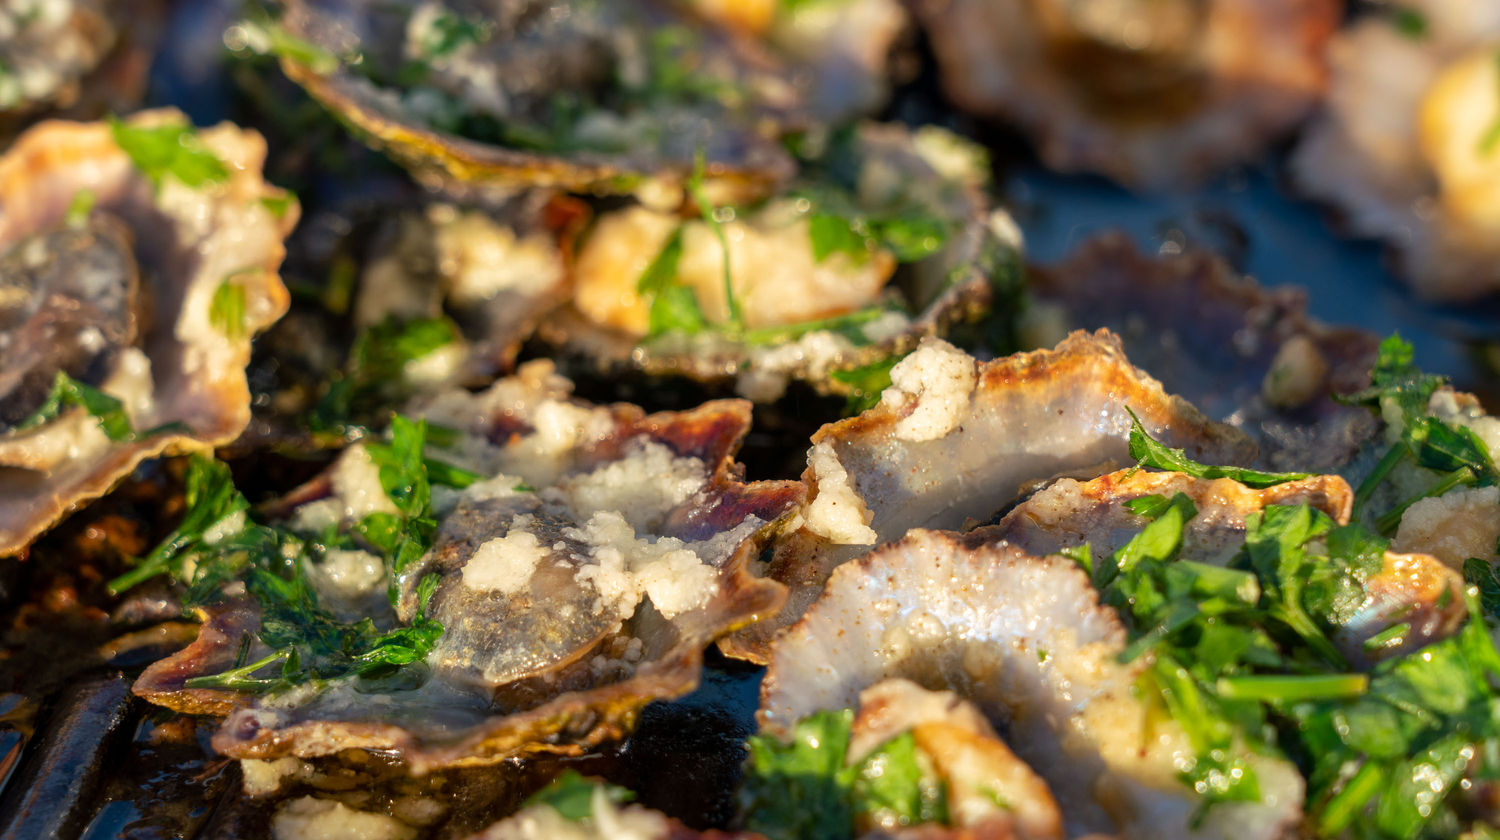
(948, 289)
(1025, 639)
(444, 160)
(1364, 155)
(114, 48)
(1185, 306)
(566, 711)
(1033, 417)
(1150, 121)
(197, 373)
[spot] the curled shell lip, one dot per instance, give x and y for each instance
(751, 167)
(561, 708)
(187, 248)
(1255, 70)
(963, 614)
(1185, 305)
(1031, 417)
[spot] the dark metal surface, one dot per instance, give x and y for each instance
(53, 791)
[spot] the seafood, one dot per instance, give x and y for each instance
(1277, 378)
(838, 50)
(78, 59)
(603, 99)
(1153, 95)
(1025, 640)
(150, 296)
(1403, 151)
(955, 441)
(1410, 588)
(570, 591)
(884, 241)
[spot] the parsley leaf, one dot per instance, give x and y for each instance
(68, 392)
(374, 375)
(572, 795)
(1396, 378)
(674, 307)
(80, 208)
(832, 234)
(865, 383)
(805, 789)
(226, 311)
(170, 149)
(307, 641)
(1151, 453)
(1398, 387)
(210, 498)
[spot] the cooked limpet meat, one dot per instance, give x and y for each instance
(592, 97)
(955, 441)
(884, 240)
(839, 50)
(1415, 590)
(1241, 353)
(593, 554)
(1026, 641)
(1405, 150)
(132, 283)
(986, 784)
(495, 274)
(1151, 94)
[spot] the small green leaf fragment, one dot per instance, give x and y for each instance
(68, 392)
(80, 208)
(226, 311)
(168, 149)
(1151, 453)
(572, 796)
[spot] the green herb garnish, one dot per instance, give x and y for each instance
(1151, 453)
(68, 392)
(80, 208)
(169, 149)
(572, 795)
(373, 378)
(804, 789)
(217, 543)
(227, 309)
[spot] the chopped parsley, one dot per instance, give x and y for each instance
(217, 543)
(373, 378)
(1409, 22)
(837, 225)
(449, 32)
(572, 795)
(279, 205)
(1400, 391)
(865, 383)
(1151, 453)
(68, 392)
(80, 208)
(170, 149)
(804, 788)
(227, 309)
